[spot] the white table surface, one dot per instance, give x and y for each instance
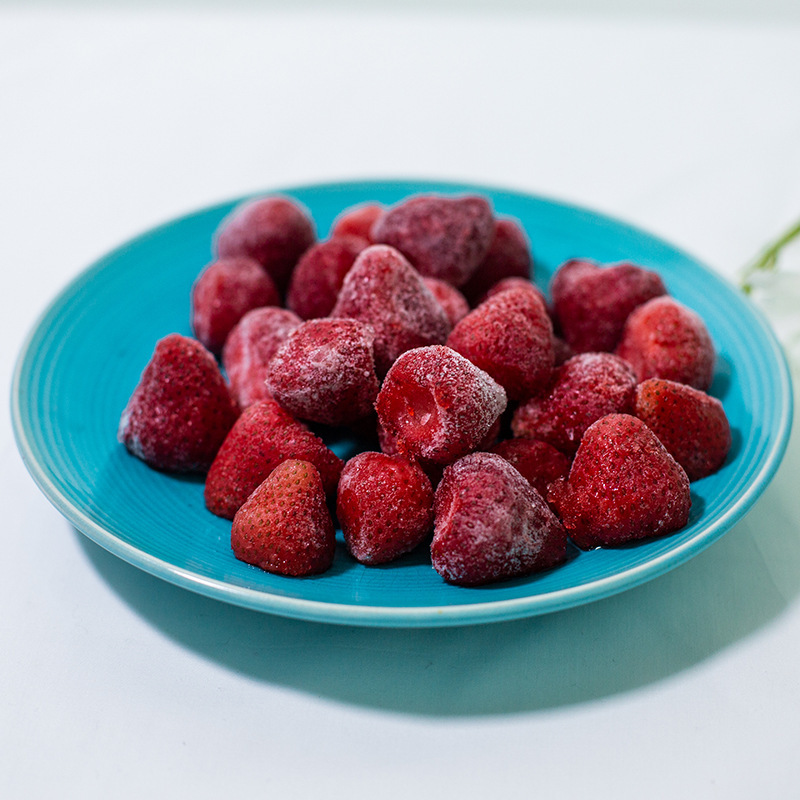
(115, 684)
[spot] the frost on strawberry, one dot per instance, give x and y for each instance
(275, 231)
(319, 274)
(443, 237)
(510, 337)
(690, 424)
(325, 371)
(591, 303)
(285, 526)
(665, 339)
(383, 290)
(623, 486)
(263, 437)
(223, 293)
(491, 524)
(384, 505)
(438, 406)
(586, 387)
(538, 462)
(181, 410)
(509, 256)
(250, 347)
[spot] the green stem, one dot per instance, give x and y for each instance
(768, 259)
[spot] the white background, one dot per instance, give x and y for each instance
(115, 684)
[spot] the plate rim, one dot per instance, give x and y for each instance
(380, 615)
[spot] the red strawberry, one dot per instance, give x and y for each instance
(665, 339)
(285, 527)
(690, 424)
(443, 237)
(509, 256)
(319, 275)
(357, 221)
(514, 283)
(225, 291)
(538, 462)
(491, 524)
(384, 505)
(437, 405)
(263, 437)
(249, 349)
(510, 337)
(586, 387)
(591, 303)
(385, 291)
(275, 231)
(449, 298)
(325, 371)
(623, 486)
(181, 411)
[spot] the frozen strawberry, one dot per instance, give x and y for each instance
(384, 505)
(538, 462)
(357, 221)
(509, 336)
(249, 349)
(319, 275)
(285, 526)
(586, 387)
(325, 371)
(181, 410)
(443, 237)
(438, 405)
(591, 303)
(509, 256)
(665, 339)
(275, 231)
(690, 424)
(514, 283)
(449, 298)
(561, 351)
(491, 525)
(263, 437)
(225, 291)
(623, 486)
(385, 291)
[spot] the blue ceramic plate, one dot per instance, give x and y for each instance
(83, 359)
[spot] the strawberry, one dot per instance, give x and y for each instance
(623, 486)
(449, 298)
(384, 505)
(263, 437)
(690, 424)
(586, 387)
(181, 410)
(249, 349)
(437, 405)
(443, 237)
(509, 256)
(285, 526)
(385, 291)
(325, 371)
(490, 524)
(665, 339)
(319, 275)
(275, 231)
(357, 221)
(223, 293)
(591, 303)
(538, 462)
(510, 337)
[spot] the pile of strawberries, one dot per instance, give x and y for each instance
(501, 426)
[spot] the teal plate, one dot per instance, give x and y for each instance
(85, 355)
